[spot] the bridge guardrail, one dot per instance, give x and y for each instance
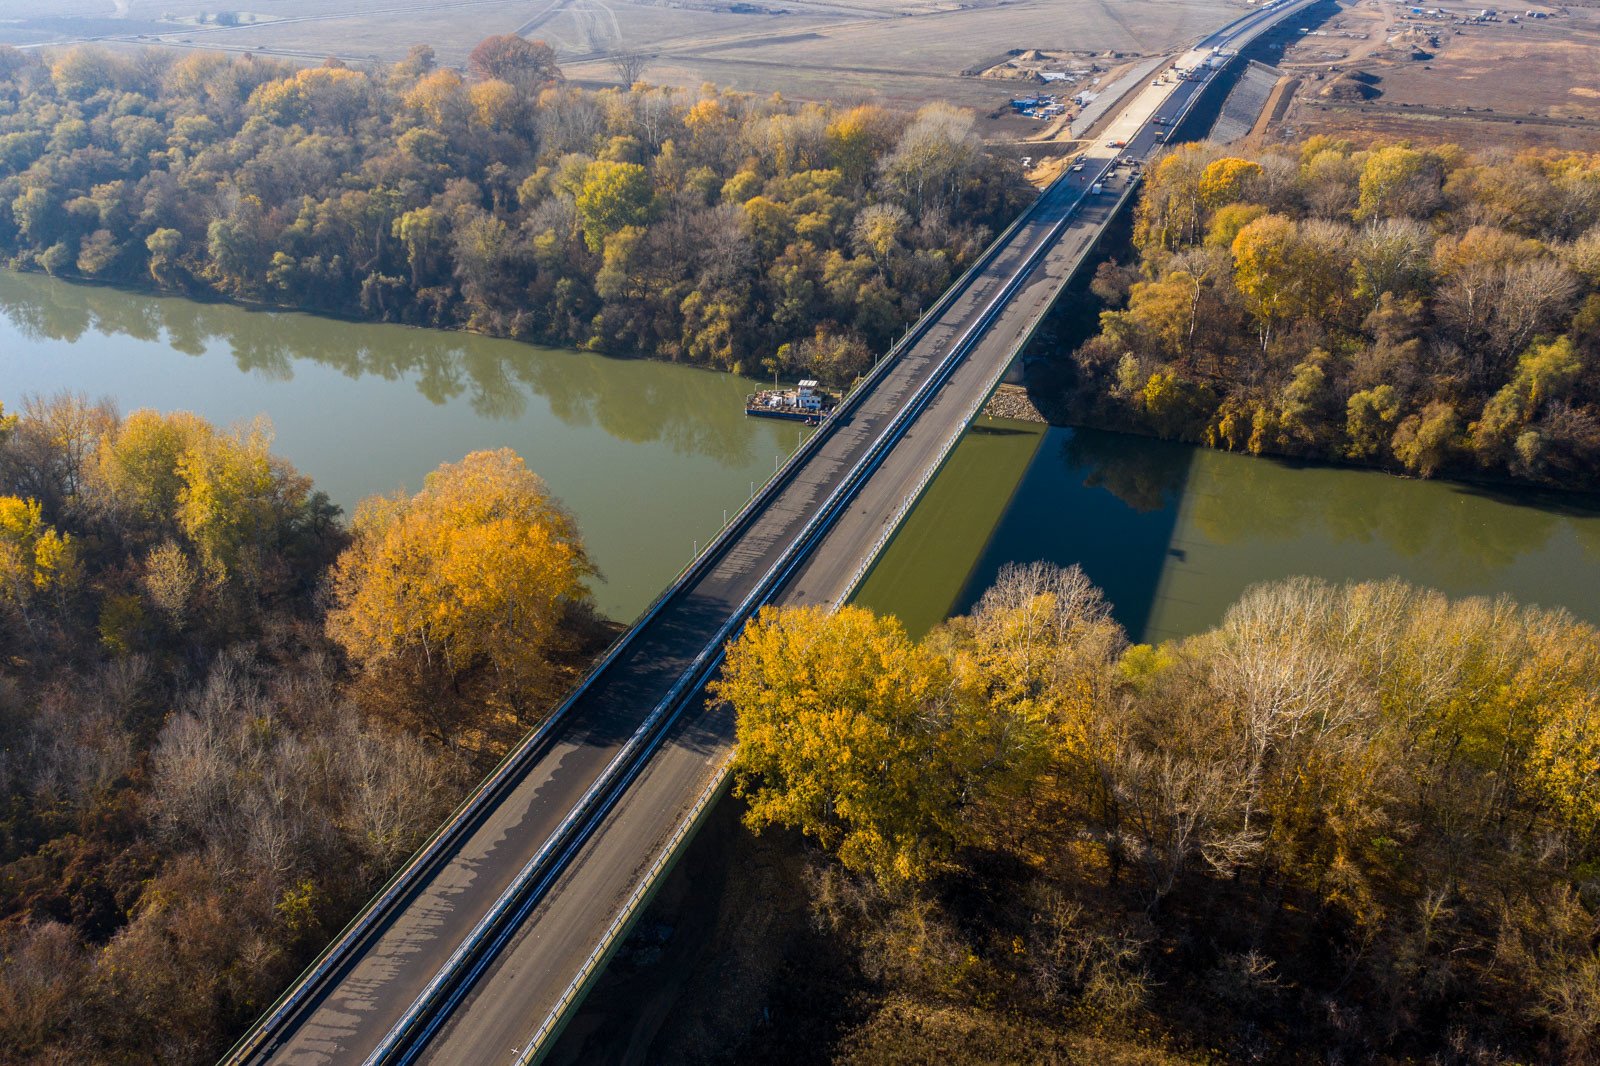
(630, 910)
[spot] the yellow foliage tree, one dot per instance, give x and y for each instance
(439, 98)
(35, 558)
(858, 137)
(224, 492)
(496, 105)
(466, 585)
(1566, 761)
(136, 467)
(848, 731)
(1262, 272)
(1169, 212)
(1398, 181)
(1226, 181)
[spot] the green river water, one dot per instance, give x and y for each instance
(648, 455)
(1174, 533)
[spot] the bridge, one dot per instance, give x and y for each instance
(483, 942)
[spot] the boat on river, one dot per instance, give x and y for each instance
(806, 403)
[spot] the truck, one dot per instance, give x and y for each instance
(1096, 189)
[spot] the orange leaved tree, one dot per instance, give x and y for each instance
(459, 602)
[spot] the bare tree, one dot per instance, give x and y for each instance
(630, 65)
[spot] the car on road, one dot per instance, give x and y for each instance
(1116, 144)
(1077, 167)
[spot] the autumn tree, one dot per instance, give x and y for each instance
(612, 195)
(1227, 181)
(849, 732)
(529, 65)
(463, 592)
(36, 559)
(240, 511)
(1398, 182)
(933, 158)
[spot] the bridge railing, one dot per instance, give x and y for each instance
(631, 909)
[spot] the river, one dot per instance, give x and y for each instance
(646, 454)
(1174, 533)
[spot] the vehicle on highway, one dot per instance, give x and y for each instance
(1116, 144)
(1077, 167)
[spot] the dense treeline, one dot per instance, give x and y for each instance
(1354, 823)
(227, 718)
(709, 227)
(1417, 308)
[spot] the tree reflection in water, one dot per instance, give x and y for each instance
(1174, 532)
(638, 401)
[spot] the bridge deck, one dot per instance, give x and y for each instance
(517, 992)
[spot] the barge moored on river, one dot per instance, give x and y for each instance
(807, 403)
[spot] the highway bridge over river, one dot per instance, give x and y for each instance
(484, 941)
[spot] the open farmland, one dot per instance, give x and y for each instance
(901, 52)
(1375, 67)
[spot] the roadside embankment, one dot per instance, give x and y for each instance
(1013, 401)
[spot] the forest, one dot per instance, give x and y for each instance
(229, 716)
(709, 227)
(1352, 823)
(1421, 309)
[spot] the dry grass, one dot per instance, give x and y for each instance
(902, 52)
(1524, 84)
